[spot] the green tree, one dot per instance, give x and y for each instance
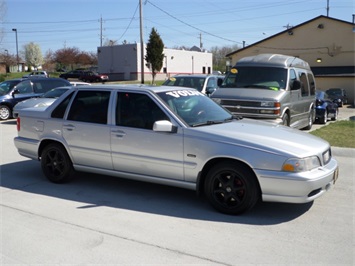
(155, 55)
(33, 55)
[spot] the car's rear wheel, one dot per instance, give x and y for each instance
(56, 164)
(335, 117)
(5, 112)
(231, 188)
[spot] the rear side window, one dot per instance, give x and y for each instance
(90, 107)
(59, 111)
(312, 84)
(304, 83)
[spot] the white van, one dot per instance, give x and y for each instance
(271, 87)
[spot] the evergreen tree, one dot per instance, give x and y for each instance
(154, 55)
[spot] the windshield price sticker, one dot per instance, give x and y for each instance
(184, 93)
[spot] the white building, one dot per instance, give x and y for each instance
(123, 62)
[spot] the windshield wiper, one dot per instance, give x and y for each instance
(214, 122)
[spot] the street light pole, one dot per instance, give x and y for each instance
(18, 63)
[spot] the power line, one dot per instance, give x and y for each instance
(191, 26)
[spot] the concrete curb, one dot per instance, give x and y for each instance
(346, 152)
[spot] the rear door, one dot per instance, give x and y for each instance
(86, 130)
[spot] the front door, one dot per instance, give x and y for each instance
(136, 148)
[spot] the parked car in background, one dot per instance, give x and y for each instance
(325, 108)
(338, 95)
(79, 83)
(44, 100)
(37, 74)
(270, 87)
(74, 74)
(203, 83)
(175, 136)
(25, 89)
(90, 76)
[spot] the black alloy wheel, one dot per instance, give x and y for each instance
(56, 164)
(231, 188)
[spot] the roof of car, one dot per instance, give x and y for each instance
(273, 60)
(133, 87)
(196, 75)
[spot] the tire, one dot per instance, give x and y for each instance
(335, 116)
(56, 164)
(323, 120)
(5, 112)
(286, 120)
(231, 188)
(310, 120)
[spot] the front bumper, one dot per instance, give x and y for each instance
(297, 187)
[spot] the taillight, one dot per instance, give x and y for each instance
(18, 123)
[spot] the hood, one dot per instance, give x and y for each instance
(265, 136)
(247, 93)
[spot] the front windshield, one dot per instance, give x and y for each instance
(195, 108)
(6, 86)
(271, 78)
(186, 81)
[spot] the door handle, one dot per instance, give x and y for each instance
(118, 133)
(69, 127)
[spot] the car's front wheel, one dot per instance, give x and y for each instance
(324, 118)
(231, 188)
(5, 112)
(56, 164)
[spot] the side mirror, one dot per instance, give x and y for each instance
(210, 90)
(164, 126)
(296, 85)
(16, 91)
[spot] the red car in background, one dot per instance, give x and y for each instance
(90, 76)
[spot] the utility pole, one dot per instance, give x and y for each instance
(327, 8)
(142, 41)
(101, 31)
(201, 44)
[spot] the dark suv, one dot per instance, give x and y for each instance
(338, 96)
(28, 88)
(74, 74)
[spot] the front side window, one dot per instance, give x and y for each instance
(271, 78)
(90, 107)
(137, 110)
(24, 87)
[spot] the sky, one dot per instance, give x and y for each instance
(54, 24)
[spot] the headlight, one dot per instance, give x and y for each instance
(301, 165)
(42, 104)
(217, 100)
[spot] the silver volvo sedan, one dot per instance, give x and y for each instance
(175, 136)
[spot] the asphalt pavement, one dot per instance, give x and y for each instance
(100, 220)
